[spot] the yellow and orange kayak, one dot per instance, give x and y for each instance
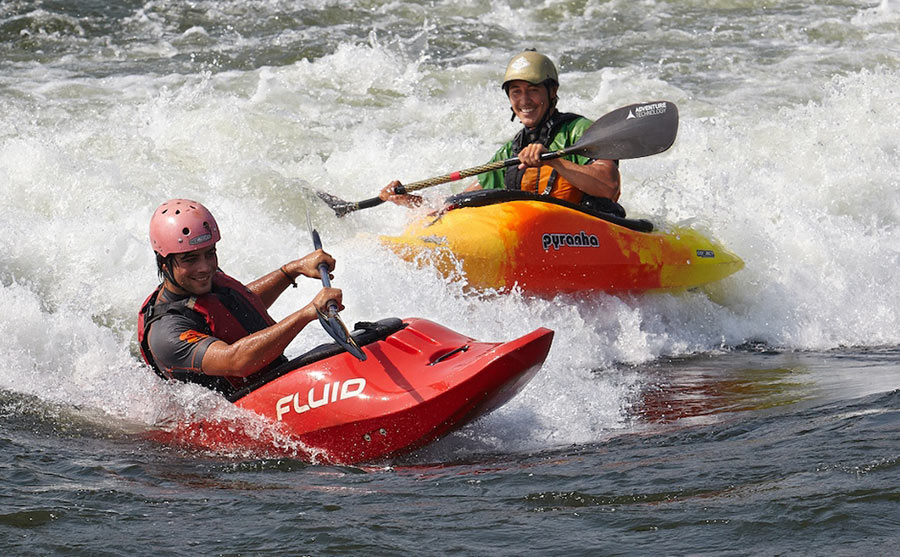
(502, 239)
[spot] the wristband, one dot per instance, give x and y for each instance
(289, 277)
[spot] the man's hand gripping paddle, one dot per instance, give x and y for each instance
(629, 132)
(330, 320)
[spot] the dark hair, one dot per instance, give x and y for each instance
(160, 261)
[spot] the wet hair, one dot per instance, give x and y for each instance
(548, 83)
(168, 260)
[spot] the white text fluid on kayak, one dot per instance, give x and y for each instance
(349, 389)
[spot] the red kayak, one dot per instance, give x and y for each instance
(420, 381)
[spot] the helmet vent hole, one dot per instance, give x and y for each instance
(185, 231)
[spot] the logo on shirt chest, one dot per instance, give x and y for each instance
(191, 336)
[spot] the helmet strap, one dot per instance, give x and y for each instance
(553, 98)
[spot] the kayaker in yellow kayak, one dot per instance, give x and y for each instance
(531, 83)
(202, 326)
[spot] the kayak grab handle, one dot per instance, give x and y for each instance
(443, 357)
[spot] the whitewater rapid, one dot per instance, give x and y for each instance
(786, 154)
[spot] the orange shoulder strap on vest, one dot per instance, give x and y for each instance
(546, 181)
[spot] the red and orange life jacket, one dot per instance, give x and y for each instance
(230, 310)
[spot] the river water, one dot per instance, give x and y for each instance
(757, 417)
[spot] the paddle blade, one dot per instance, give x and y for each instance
(630, 132)
(338, 331)
(338, 205)
(341, 207)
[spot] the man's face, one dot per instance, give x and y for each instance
(529, 102)
(194, 270)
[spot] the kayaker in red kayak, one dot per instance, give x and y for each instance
(531, 83)
(202, 326)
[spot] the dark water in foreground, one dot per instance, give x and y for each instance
(746, 453)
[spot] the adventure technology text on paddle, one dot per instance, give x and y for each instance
(330, 320)
(629, 132)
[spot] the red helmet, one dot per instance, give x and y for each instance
(182, 225)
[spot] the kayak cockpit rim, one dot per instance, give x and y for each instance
(481, 198)
(364, 333)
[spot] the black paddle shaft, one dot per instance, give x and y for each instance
(331, 321)
(323, 272)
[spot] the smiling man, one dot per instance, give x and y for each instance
(531, 83)
(202, 326)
